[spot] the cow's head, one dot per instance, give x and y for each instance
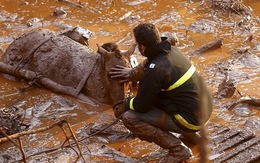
(112, 56)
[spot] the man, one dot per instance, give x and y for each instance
(168, 97)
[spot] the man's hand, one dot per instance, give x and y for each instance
(128, 74)
(121, 72)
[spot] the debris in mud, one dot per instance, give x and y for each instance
(133, 18)
(242, 68)
(253, 124)
(226, 89)
(9, 120)
(234, 144)
(66, 144)
(80, 6)
(246, 57)
(24, 3)
(102, 126)
(246, 100)
(33, 22)
(125, 16)
(103, 120)
(79, 34)
(234, 6)
(60, 12)
(217, 43)
(115, 154)
(172, 37)
(256, 48)
(4, 16)
(203, 26)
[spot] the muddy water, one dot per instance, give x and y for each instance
(194, 23)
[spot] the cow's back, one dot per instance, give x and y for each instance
(54, 56)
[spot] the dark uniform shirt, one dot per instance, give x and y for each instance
(166, 64)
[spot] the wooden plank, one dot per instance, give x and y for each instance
(248, 155)
(231, 133)
(227, 155)
(233, 141)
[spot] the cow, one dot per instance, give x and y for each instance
(66, 60)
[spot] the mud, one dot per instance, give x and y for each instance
(234, 131)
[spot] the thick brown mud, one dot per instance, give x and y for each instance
(231, 73)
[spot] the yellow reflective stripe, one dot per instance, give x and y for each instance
(182, 80)
(183, 122)
(131, 105)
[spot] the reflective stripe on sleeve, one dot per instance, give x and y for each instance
(186, 124)
(182, 80)
(131, 105)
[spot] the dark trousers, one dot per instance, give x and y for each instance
(162, 120)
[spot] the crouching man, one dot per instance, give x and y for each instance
(168, 97)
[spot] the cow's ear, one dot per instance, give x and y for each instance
(128, 53)
(103, 51)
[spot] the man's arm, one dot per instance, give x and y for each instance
(128, 74)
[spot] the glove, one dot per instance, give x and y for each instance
(121, 107)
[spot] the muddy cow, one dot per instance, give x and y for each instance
(69, 63)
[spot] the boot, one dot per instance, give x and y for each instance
(177, 150)
(177, 154)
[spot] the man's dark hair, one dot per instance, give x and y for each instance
(147, 34)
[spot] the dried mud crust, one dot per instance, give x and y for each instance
(234, 6)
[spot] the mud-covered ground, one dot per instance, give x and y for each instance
(231, 72)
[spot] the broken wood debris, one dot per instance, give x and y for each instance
(234, 144)
(247, 100)
(42, 129)
(80, 7)
(233, 141)
(244, 147)
(224, 136)
(235, 6)
(208, 47)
